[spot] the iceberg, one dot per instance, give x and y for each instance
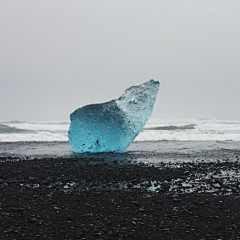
(113, 125)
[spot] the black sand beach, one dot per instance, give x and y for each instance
(95, 198)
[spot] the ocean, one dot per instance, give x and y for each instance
(154, 130)
(19, 138)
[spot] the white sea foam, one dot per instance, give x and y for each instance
(190, 130)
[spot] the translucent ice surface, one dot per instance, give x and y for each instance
(113, 125)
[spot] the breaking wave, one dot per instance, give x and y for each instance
(7, 129)
(172, 127)
(37, 123)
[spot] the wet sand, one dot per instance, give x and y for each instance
(184, 196)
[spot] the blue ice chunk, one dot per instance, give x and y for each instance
(113, 125)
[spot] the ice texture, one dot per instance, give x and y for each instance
(113, 125)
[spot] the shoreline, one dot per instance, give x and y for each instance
(138, 149)
(90, 198)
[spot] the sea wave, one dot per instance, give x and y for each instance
(172, 127)
(155, 130)
(7, 129)
(15, 122)
(37, 123)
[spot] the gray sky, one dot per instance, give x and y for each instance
(56, 56)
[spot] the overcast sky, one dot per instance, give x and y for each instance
(56, 56)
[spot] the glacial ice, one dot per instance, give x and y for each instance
(113, 125)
